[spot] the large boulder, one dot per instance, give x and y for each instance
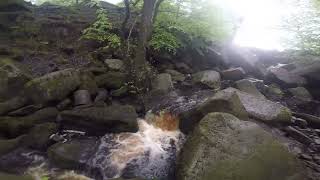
(8, 145)
(13, 76)
(73, 154)
(207, 78)
(12, 104)
(228, 102)
(55, 86)
(284, 78)
(39, 136)
(176, 75)
(223, 147)
(261, 108)
(14, 126)
(301, 93)
(116, 118)
(309, 69)
(111, 80)
(233, 74)
(246, 85)
(162, 83)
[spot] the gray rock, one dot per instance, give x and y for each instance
(309, 69)
(82, 97)
(208, 78)
(249, 87)
(285, 78)
(13, 76)
(262, 109)
(301, 93)
(223, 147)
(223, 101)
(233, 74)
(73, 154)
(27, 110)
(114, 118)
(119, 92)
(12, 104)
(88, 82)
(184, 68)
(314, 121)
(53, 87)
(114, 64)
(300, 122)
(63, 105)
(162, 83)
(8, 145)
(39, 136)
(102, 96)
(176, 76)
(111, 80)
(15, 126)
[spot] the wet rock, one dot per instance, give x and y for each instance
(223, 101)
(53, 87)
(39, 136)
(82, 97)
(73, 154)
(14, 126)
(301, 93)
(14, 177)
(27, 110)
(162, 83)
(8, 145)
(12, 104)
(114, 118)
(285, 78)
(111, 80)
(298, 135)
(102, 96)
(300, 122)
(88, 82)
(176, 76)
(314, 121)
(114, 64)
(248, 86)
(207, 78)
(13, 76)
(223, 147)
(233, 74)
(63, 105)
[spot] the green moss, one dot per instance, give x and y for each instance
(269, 161)
(5, 176)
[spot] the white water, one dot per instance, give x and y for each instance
(149, 153)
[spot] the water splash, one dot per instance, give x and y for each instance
(149, 153)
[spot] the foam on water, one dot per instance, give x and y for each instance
(149, 153)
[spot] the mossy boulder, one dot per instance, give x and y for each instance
(223, 147)
(55, 86)
(12, 104)
(116, 118)
(162, 83)
(249, 87)
(13, 76)
(88, 82)
(6, 176)
(111, 80)
(14, 126)
(207, 78)
(73, 154)
(39, 136)
(301, 94)
(220, 102)
(8, 145)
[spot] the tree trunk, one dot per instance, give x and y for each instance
(140, 70)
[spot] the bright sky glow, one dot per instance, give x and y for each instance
(260, 22)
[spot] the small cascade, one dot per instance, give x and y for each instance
(149, 153)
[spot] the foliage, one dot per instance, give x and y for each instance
(303, 26)
(101, 31)
(189, 23)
